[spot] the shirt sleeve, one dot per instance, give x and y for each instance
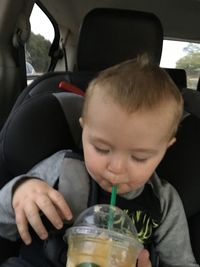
(172, 236)
(48, 170)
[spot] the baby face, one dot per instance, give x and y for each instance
(122, 148)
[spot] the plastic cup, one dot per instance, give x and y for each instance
(94, 242)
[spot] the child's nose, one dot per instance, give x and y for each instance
(117, 165)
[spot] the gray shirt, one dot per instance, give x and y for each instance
(171, 237)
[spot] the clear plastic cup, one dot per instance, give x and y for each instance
(102, 236)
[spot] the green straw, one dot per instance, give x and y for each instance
(113, 195)
(112, 203)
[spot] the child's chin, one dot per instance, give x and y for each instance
(123, 189)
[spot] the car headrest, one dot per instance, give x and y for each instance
(191, 101)
(178, 76)
(109, 36)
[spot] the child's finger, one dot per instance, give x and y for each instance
(49, 209)
(33, 217)
(143, 259)
(60, 204)
(22, 226)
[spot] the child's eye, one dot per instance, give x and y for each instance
(138, 159)
(101, 150)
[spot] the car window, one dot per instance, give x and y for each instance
(38, 45)
(182, 55)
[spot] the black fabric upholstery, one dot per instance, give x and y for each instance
(38, 110)
(198, 85)
(49, 82)
(37, 129)
(191, 101)
(109, 36)
(194, 223)
(127, 33)
(180, 165)
(178, 76)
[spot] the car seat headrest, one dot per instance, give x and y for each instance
(109, 36)
(178, 76)
(191, 101)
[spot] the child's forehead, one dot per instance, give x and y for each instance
(107, 110)
(129, 132)
(104, 95)
(99, 96)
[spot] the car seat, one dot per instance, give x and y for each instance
(109, 36)
(38, 123)
(37, 126)
(178, 76)
(198, 84)
(180, 166)
(144, 34)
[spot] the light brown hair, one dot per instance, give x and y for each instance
(138, 84)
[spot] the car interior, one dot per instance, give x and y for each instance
(89, 37)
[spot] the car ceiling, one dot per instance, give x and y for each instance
(180, 18)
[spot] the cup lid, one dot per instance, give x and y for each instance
(87, 264)
(112, 219)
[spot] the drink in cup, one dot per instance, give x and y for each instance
(102, 236)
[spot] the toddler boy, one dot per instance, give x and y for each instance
(130, 117)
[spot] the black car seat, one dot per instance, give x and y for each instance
(198, 84)
(124, 33)
(178, 76)
(37, 126)
(109, 36)
(180, 166)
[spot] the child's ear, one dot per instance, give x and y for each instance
(81, 121)
(172, 141)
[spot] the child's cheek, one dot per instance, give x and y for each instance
(93, 166)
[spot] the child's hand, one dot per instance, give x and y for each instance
(143, 259)
(32, 197)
